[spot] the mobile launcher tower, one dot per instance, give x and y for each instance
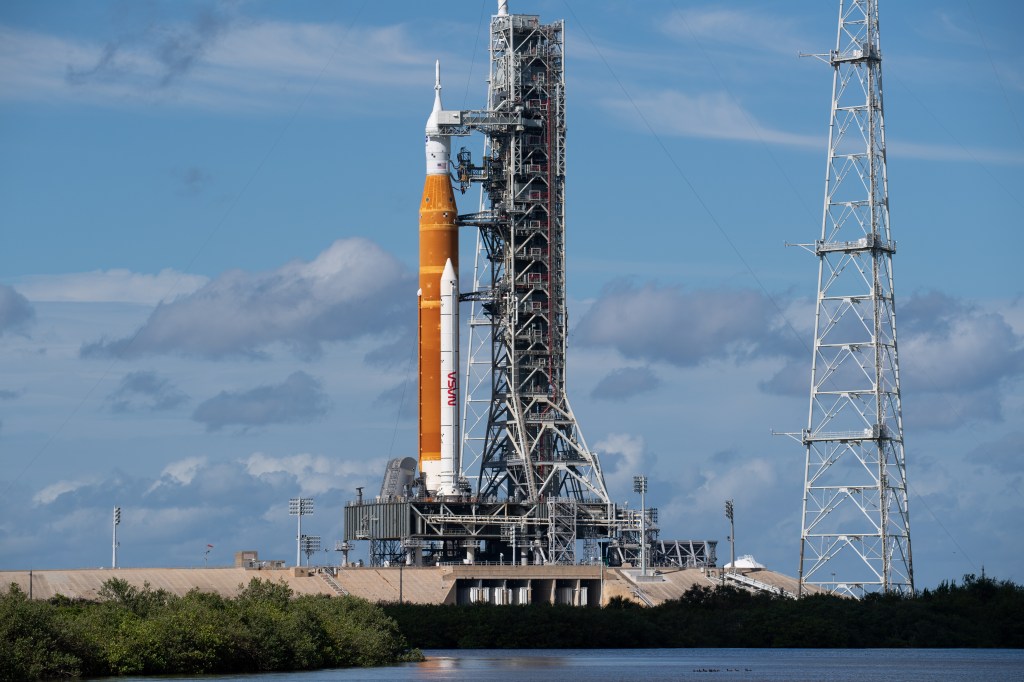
(540, 493)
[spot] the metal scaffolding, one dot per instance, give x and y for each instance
(855, 534)
(532, 447)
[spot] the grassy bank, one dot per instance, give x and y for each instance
(152, 632)
(979, 612)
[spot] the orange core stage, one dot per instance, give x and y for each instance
(439, 241)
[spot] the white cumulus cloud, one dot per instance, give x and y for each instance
(180, 472)
(315, 474)
(352, 289)
(683, 328)
(55, 490)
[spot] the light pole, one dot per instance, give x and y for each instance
(732, 534)
(117, 522)
(511, 534)
(310, 545)
(299, 506)
(640, 486)
(344, 548)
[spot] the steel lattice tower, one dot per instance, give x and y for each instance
(855, 534)
(531, 448)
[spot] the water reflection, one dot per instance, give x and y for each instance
(655, 665)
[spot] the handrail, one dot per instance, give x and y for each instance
(758, 585)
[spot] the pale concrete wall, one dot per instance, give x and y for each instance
(418, 585)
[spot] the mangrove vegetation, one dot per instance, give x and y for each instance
(134, 631)
(979, 612)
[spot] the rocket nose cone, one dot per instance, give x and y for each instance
(449, 271)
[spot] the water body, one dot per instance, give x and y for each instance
(655, 665)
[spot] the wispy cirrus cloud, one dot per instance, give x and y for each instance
(713, 115)
(718, 115)
(111, 286)
(217, 60)
(751, 29)
(175, 49)
(899, 148)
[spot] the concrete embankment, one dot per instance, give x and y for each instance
(579, 585)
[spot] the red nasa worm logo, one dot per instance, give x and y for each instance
(452, 383)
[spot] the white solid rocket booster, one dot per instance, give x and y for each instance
(447, 485)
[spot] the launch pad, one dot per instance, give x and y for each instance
(539, 495)
(431, 532)
(468, 531)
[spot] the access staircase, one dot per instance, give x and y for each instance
(333, 584)
(758, 586)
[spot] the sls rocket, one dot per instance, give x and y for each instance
(438, 314)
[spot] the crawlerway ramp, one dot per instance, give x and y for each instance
(576, 585)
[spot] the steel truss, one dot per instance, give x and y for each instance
(855, 534)
(438, 532)
(684, 553)
(532, 447)
(626, 547)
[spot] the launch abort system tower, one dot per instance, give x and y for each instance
(855, 535)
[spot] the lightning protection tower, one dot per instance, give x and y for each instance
(855, 535)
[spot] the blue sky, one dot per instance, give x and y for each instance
(209, 216)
